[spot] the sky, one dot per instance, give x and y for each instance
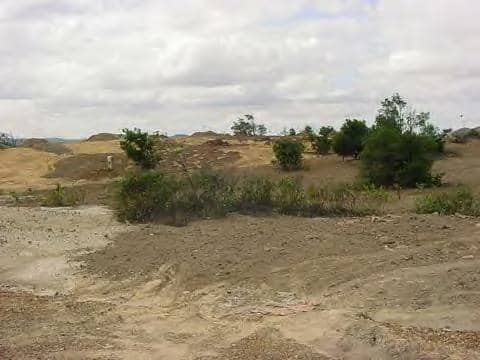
(72, 68)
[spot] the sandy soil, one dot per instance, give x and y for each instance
(78, 285)
(95, 147)
(23, 168)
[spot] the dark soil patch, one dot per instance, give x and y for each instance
(241, 249)
(89, 167)
(53, 323)
(200, 156)
(267, 344)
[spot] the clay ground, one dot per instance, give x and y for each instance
(76, 284)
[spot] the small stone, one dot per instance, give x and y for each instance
(468, 257)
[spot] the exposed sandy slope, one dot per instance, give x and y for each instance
(95, 147)
(463, 167)
(23, 168)
(396, 287)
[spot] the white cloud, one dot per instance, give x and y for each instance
(77, 67)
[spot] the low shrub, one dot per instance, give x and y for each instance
(290, 197)
(255, 194)
(63, 197)
(153, 196)
(206, 193)
(146, 195)
(460, 201)
(346, 200)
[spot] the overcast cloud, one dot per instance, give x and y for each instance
(76, 67)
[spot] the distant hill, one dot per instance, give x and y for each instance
(103, 137)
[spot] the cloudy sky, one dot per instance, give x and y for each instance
(76, 67)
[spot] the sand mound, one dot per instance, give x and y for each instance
(46, 146)
(103, 137)
(88, 167)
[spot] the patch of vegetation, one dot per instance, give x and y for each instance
(288, 154)
(63, 197)
(138, 146)
(460, 201)
(146, 196)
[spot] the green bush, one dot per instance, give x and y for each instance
(289, 197)
(288, 153)
(349, 140)
(255, 194)
(207, 193)
(146, 196)
(460, 201)
(138, 146)
(346, 200)
(391, 157)
(62, 197)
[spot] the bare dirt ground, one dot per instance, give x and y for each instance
(75, 284)
(78, 285)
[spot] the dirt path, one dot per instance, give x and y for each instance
(78, 285)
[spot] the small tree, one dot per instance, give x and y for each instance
(292, 132)
(308, 133)
(138, 146)
(261, 130)
(322, 143)
(349, 140)
(288, 153)
(246, 127)
(8, 140)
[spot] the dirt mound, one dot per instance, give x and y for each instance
(103, 137)
(206, 134)
(200, 156)
(463, 135)
(268, 344)
(217, 142)
(89, 167)
(46, 146)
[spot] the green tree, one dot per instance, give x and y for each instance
(261, 130)
(246, 126)
(288, 153)
(322, 143)
(8, 140)
(292, 132)
(308, 133)
(401, 147)
(349, 140)
(138, 146)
